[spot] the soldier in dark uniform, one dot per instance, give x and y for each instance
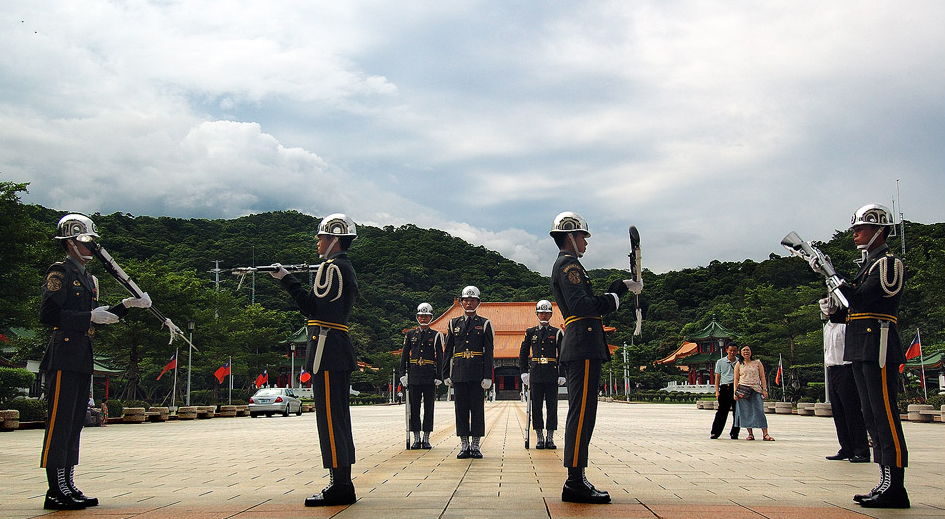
(872, 343)
(70, 306)
(330, 356)
(583, 350)
(467, 368)
(538, 360)
(420, 364)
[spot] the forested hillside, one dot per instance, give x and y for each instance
(770, 305)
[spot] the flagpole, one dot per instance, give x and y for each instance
(174, 392)
(925, 391)
(781, 376)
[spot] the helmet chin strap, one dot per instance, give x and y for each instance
(75, 249)
(574, 245)
(865, 248)
(331, 246)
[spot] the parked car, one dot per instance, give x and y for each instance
(272, 400)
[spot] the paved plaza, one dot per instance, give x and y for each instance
(656, 460)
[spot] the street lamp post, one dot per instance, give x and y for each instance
(190, 355)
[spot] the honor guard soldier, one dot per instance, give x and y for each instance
(873, 345)
(330, 355)
(420, 364)
(583, 350)
(538, 360)
(70, 306)
(467, 368)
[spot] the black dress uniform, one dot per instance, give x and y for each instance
(328, 306)
(420, 361)
(538, 357)
(69, 295)
(583, 350)
(874, 298)
(467, 361)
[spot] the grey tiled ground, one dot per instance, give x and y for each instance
(656, 461)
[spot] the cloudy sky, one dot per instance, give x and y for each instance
(714, 127)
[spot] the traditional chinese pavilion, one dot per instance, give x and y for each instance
(699, 352)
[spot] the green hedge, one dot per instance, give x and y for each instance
(658, 395)
(12, 380)
(31, 410)
(363, 399)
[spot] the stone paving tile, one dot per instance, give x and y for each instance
(655, 460)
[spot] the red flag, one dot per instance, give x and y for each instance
(777, 376)
(305, 376)
(222, 371)
(262, 379)
(915, 349)
(171, 364)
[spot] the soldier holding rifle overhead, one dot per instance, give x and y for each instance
(330, 356)
(583, 350)
(70, 305)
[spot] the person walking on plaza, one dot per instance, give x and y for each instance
(420, 364)
(583, 349)
(749, 408)
(467, 368)
(841, 389)
(330, 355)
(70, 305)
(725, 393)
(538, 360)
(873, 345)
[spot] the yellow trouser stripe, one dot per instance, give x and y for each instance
(52, 419)
(331, 430)
(577, 437)
(889, 417)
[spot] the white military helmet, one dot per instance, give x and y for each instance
(543, 306)
(337, 224)
(873, 214)
(470, 291)
(569, 222)
(78, 226)
(424, 309)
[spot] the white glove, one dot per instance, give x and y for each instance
(814, 263)
(635, 286)
(448, 382)
(437, 382)
(101, 315)
(561, 381)
(827, 305)
(280, 272)
(525, 378)
(486, 383)
(403, 380)
(137, 302)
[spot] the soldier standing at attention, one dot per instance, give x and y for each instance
(873, 345)
(583, 349)
(420, 364)
(70, 306)
(467, 368)
(330, 356)
(538, 360)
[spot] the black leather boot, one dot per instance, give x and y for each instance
(540, 443)
(893, 495)
(76, 493)
(474, 451)
(577, 489)
(340, 490)
(59, 497)
(550, 440)
(883, 481)
(425, 442)
(464, 448)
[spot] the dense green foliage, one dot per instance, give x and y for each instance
(770, 305)
(12, 380)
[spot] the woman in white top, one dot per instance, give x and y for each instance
(750, 410)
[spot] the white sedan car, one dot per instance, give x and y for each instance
(272, 400)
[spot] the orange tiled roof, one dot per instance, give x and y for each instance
(687, 349)
(510, 320)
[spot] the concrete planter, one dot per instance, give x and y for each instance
(186, 413)
(242, 410)
(133, 415)
(822, 409)
(783, 408)
(206, 411)
(9, 420)
(158, 414)
(805, 408)
(227, 411)
(916, 415)
(769, 407)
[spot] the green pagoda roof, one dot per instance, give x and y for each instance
(713, 330)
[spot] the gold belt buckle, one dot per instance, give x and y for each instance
(542, 360)
(467, 354)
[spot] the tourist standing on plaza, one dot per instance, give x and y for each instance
(725, 393)
(538, 360)
(420, 365)
(70, 305)
(841, 388)
(467, 368)
(873, 345)
(583, 350)
(330, 356)
(750, 409)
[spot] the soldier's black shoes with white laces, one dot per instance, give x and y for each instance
(336, 494)
(60, 501)
(890, 498)
(582, 492)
